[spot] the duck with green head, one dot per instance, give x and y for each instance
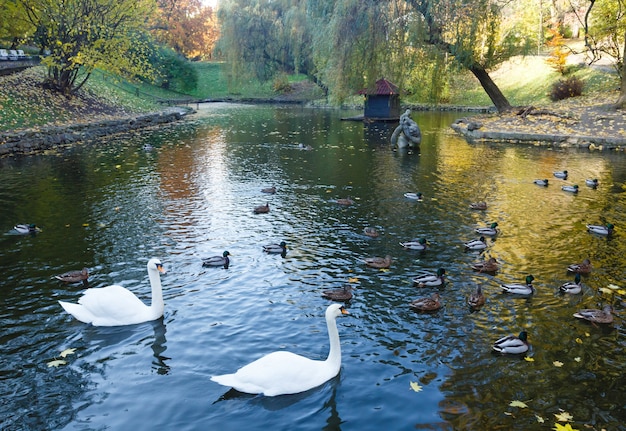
(222, 260)
(520, 289)
(573, 288)
(511, 344)
(429, 279)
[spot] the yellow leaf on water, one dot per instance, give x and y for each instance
(557, 363)
(66, 352)
(566, 427)
(529, 359)
(613, 286)
(577, 358)
(353, 280)
(540, 419)
(563, 417)
(56, 363)
(416, 386)
(519, 404)
(579, 341)
(85, 224)
(384, 269)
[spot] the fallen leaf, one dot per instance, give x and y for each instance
(416, 386)
(579, 341)
(540, 419)
(563, 417)
(557, 364)
(56, 363)
(577, 358)
(353, 280)
(66, 352)
(566, 427)
(529, 359)
(519, 404)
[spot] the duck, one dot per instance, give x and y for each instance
(476, 244)
(283, 372)
(542, 183)
(117, 306)
(596, 316)
(280, 248)
(269, 190)
(601, 230)
(222, 260)
(378, 262)
(342, 294)
(415, 244)
(148, 147)
(511, 344)
(414, 196)
(431, 303)
(24, 229)
(489, 265)
(482, 205)
(429, 279)
(262, 209)
(488, 231)
(583, 267)
(345, 201)
(74, 276)
(560, 174)
(476, 298)
(520, 289)
(371, 232)
(591, 182)
(573, 288)
(571, 189)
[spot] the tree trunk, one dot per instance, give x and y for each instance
(621, 100)
(499, 100)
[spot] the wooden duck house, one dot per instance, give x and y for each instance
(382, 103)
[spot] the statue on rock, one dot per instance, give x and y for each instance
(407, 134)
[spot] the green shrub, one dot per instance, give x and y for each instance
(281, 84)
(565, 88)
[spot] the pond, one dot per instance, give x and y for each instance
(112, 205)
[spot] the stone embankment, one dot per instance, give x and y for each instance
(33, 141)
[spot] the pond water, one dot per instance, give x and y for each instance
(111, 205)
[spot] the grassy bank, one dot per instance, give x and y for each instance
(24, 104)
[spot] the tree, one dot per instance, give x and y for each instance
(14, 25)
(84, 34)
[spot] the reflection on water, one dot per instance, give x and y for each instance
(112, 206)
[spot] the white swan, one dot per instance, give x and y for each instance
(116, 306)
(280, 373)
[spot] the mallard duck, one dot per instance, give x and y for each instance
(74, 276)
(601, 230)
(489, 265)
(476, 244)
(415, 244)
(573, 288)
(415, 196)
(542, 183)
(24, 229)
(342, 294)
(345, 201)
(583, 267)
(222, 260)
(270, 190)
(378, 262)
(520, 289)
(371, 232)
(482, 205)
(276, 248)
(489, 231)
(476, 298)
(512, 344)
(262, 209)
(593, 183)
(571, 189)
(560, 174)
(431, 303)
(429, 279)
(596, 316)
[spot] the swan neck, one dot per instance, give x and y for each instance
(334, 356)
(157, 291)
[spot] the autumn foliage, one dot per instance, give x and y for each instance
(558, 51)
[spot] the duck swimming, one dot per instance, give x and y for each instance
(542, 183)
(428, 279)
(378, 262)
(24, 229)
(596, 316)
(372, 232)
(414, 196)
(477, 244)
(490, 265)
(482, 205)
(276, 248)
(342, 294)
(593, 183)
(571, 189)
(74, 276)
(573, 288)
(560, 174)
(476, 299)
(269, 190)
(262, 209)
(431, 303)
(345, 201)
(488, 231)
(600, 230)
(222, 260)
(511, 344)
(583, 267)
(520, 289)
(415, 244)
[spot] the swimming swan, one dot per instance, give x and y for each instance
(116, 306)
(281, 372)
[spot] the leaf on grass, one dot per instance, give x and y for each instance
(56, 363)
(66, 352)
(563, 417)
(566, 427)
(557, 364)
(519, 404)
(416, 387)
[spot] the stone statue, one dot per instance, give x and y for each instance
(407, 134)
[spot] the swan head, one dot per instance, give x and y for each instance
(335, 310)
(155, 264)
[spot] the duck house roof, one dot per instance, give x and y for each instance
(381, 88)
